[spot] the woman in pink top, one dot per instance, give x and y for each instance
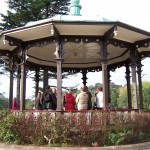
(14, 104)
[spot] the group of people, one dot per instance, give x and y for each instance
(47, 100)
(83, 100)
(80, 101)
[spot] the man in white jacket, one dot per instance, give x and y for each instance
(99, 98)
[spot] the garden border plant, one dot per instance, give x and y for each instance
(74, 129)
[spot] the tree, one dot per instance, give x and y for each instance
(30, 104)
(23, 11)
(98, 85)
(2, 64)
(3, 101)
(114, 94)
(146, 94)
(123, 97)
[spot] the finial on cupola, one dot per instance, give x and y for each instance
(75, 8)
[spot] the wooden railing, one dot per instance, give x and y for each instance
(104, 116)
(77, 111)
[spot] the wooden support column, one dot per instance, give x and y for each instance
(133, 54)
(109, 99)
(36, 81)
(103, 53)
(11, 83)
(59, 84)
(105, 84)
(134, 86)
(59, 59)
(128, 86)
(45, 78)
(23, 80)
(84, 78)
(18, 84)
(139, 71)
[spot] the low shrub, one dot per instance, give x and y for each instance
(6, 129)
(74, 129)
(3, 113)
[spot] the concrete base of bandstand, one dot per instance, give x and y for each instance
(140, 146)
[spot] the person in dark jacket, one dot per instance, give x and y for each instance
(48, 101)
(90, 97)
(54, 97)
(69, 101)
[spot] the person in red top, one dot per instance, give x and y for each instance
(69, 101)
(14, 104)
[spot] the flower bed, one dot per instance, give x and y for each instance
(74, 128)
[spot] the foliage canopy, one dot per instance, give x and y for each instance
(23, 11)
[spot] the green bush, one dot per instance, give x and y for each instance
(6, 129)
(74, 129)
(30, 129)
(3, 103)
(116, 138)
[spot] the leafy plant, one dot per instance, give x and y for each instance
(6, 129)
(75, 129)
(3, 113)
(118, 137)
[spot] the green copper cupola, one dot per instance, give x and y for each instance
(75, 8)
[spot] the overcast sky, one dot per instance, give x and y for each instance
(132, 12)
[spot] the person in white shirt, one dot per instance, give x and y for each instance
(99, 98)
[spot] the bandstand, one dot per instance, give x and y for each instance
(75, 43)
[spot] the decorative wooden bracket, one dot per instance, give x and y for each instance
(111, 32)
(143, 43)
(13, 41)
